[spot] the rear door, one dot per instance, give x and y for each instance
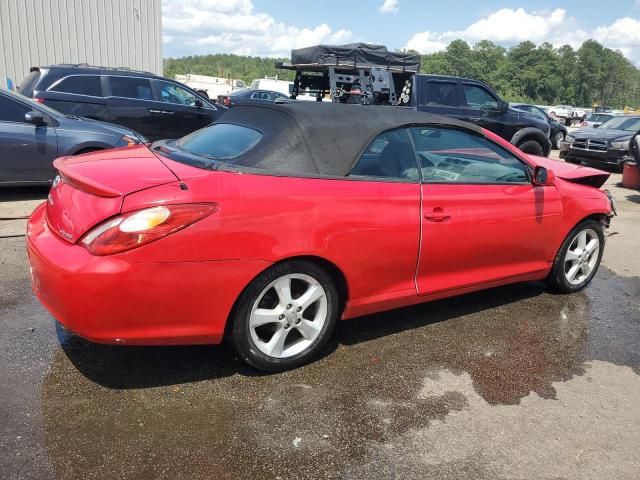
(482, 219)
(79, 95)
(26, 150)
(183, 111)
(133, 104)
(440, 97)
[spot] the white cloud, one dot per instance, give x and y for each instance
(509, 26)
(232, 26)
(389, 6)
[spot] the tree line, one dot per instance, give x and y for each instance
(539, 74)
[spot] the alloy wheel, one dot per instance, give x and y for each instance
(288, 315)
(582, 256)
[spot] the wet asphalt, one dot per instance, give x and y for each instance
(513, 382)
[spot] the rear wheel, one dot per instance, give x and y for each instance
(531, 147)
(578, 259)
(285, 316)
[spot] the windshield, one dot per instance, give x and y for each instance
(220, 142)
(630, 124)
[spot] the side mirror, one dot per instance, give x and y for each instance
(543, 176)
(34, 117)
(634, 147)
(198, 103)
(503, 107)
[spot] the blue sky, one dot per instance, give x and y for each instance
(272, 28)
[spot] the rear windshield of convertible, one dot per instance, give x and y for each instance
(221, 141)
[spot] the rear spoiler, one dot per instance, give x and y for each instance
(83, 183)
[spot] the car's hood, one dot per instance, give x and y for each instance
(573, 173)
(603, 133)
(97, 126)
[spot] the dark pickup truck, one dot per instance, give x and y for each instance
(371, 75)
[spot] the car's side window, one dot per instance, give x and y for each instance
(478, 97)
(12, 111)
(172, 93)
(79, 85)
(390, 155)
(131, 87)
(457, 156)
(439, 94)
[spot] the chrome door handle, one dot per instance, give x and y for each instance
(167, 112)
(154, 111)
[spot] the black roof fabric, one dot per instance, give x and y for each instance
(359, 55)
(320, 138)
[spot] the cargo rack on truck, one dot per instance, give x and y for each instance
(353, 73)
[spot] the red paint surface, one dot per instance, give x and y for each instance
(180, 289)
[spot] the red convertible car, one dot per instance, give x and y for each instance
(276, 221)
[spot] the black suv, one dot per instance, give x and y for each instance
(473, 101)
(152, 105)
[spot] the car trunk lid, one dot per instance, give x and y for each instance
(90, 188)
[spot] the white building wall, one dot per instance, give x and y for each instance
(112, 33)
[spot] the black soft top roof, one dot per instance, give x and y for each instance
(355, 55)
(320, 138)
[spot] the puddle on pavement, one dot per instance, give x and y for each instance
(199, 412)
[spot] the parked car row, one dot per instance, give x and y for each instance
(65, 110)
(32, 135)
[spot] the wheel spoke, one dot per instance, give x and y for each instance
(582, 240)
(313, 293)
(572, 271)
(591, 246)
(275, 345)
(283, 289)
(263, 316)
(571, 256)
(309, 330)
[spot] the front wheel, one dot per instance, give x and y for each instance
(558, 139)
(578, 259)
(285, 316)
(532, 148)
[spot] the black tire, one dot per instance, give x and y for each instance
(532, 147)
(557, 139)
(241, 331)
(557, 279)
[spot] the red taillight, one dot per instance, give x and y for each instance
(226, 102)
(134, 229)
(39, 100)
(583, 124)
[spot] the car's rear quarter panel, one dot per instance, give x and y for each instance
(369, 230)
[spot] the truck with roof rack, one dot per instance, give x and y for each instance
(372, 75)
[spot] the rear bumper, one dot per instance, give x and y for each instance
(609, 158)
(114, 299)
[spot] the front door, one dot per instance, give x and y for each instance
(27, 151)
(185, 112)
(132, 104)
(482, 218)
